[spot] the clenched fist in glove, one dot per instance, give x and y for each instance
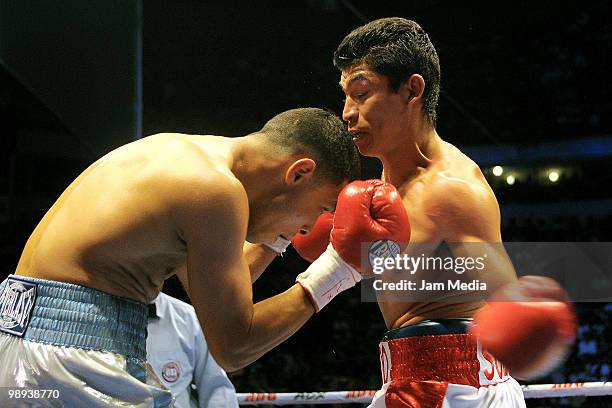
(313, 244)
(529, 325)
(366, 211)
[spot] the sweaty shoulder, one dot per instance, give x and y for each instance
(466, 204)
(216, 194)
(187, 169)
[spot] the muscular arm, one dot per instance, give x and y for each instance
(472, 229)
(258, 258)
(238, 332)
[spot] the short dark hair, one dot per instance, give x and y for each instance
(397, 48)
(319, 133)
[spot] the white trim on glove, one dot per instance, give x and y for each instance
(279, 246)
(327, 276)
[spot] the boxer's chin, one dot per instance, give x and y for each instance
(363, 144)
(273, 239)
(256, 235)
(258, 238)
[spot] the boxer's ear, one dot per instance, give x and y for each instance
(300, 171)
(412, 89)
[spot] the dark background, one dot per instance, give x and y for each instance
(78, 79)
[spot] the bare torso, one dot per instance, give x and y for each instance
(111, 229)
(425, 198)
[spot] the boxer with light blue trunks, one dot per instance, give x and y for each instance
(73, 316)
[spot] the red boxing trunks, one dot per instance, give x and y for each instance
(434, 364)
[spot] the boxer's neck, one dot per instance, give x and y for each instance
(260, 170)
(418, 149)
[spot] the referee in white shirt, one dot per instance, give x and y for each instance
(177, 350)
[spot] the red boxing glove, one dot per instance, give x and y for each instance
(528, 325)
(313, 244)
(368, 211)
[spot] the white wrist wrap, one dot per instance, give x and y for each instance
(327, 276)
(279, 246)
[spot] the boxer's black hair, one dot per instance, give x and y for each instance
(397, 48)
(319, 133)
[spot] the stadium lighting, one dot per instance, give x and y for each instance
(553, 176)
(498, 171)
(510, 179)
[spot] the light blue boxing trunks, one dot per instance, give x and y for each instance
(65, 345)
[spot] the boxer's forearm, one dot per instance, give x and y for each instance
(269, 328)
(258, 257)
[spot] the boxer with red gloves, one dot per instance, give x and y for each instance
(390, 75)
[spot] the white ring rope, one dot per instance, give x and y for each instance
(363, 397)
